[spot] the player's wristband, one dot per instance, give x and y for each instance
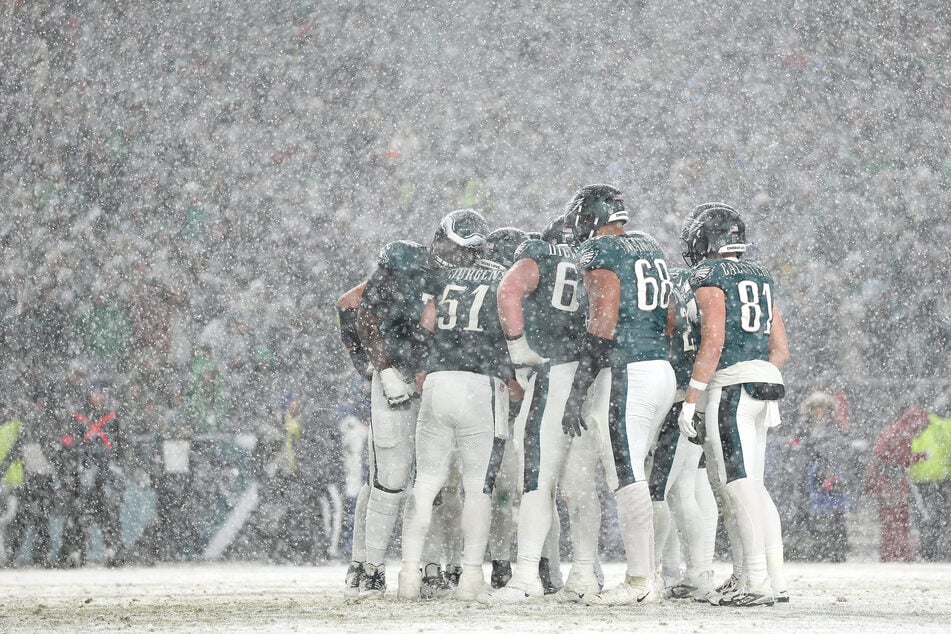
(697, 385)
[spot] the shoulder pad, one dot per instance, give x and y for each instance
(533, 250)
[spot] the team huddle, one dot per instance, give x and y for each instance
(514, 366)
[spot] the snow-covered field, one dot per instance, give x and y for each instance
(854, 597)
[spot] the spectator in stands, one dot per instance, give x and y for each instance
(825, 451)
(36, 495)
(932, 478)
(886, 477)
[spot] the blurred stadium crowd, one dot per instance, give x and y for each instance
(190, 185)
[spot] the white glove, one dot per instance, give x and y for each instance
(396, 389)
(523, 376)
(521, 354)
(685, 420)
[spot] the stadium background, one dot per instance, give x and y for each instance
(251, 159)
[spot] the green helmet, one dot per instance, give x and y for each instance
(712, 228)
(502, 244)
(591, 207)
(460, 239)
(554, 232)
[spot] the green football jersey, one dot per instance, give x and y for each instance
(638, 262)
(400, 289)
(468, 335)
(554, 319)
(683, 345)
(749, 291)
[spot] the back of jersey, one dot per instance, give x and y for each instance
(468, 336)
(401, 297)
(638, 262)
(749, 290)
(554, 315)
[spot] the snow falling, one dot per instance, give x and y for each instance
(187, 187)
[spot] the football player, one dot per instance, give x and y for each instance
(501, 246)
(742, 346)
(464, 403)
(388, 326)
(540, 310)
(623, 359)
(681, 516)
(348, 306)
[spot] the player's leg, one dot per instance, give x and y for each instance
(659, 479)
(480, 451)
(642, 394)
(580, 488)
(688, 519)
(358, 547)
(544, 446)
(391, 444)
(502, 525)
(716, 476)
(741, 423)
(434, 444)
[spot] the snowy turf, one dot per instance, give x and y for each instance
(854, 597)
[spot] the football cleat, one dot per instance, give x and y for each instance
(782, 597)
(452, 574)
(752, 595)
(354, 579)
(374, 582)
(691, 588)
(435, 584)
(579, 584)
(513, 593)
(723, 593)
(501, 573)
(632, 591)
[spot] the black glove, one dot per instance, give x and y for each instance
(572, 423)
(351, 341)
(593, 354)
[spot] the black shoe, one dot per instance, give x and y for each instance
(501, 573)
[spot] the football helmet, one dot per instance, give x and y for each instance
(460, 239)
(591, 207)
(713, 228)
(502, 244)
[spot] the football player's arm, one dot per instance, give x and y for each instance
(604, 299)
(711, 302)
(427, 322)
(378, 296)
(519, 282)
(778, 344)
(348, 306)
(374, 301)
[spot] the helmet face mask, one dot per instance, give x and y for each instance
(460, 239)
(712, 228)
(593, 206)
